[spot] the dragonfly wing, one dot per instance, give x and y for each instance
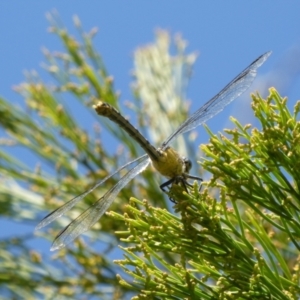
(215, 105)
(89, 217)
(67, 206)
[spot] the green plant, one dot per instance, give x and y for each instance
(239, 237)
(235, 239)
(70, 159)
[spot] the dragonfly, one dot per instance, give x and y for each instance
(166, 160)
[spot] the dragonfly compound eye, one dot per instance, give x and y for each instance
(188, 165)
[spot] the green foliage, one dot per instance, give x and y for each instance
(239, 237)
(68, 160)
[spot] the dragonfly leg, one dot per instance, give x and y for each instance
(196, 178)
(176, 180)
(182, 180)
(166, 184)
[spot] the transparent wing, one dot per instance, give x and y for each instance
(89, 217)
(67, 206)
(215, 105)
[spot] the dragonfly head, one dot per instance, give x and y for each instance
(188, 164)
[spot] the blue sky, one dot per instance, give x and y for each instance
(228, 35)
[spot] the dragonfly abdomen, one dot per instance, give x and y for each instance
(106, 110)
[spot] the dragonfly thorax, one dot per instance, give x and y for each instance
(170, 164)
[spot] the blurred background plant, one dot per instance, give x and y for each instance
(69, 159)
(237, 239)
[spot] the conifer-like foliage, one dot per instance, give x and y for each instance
(239, 237)
(236, 238)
